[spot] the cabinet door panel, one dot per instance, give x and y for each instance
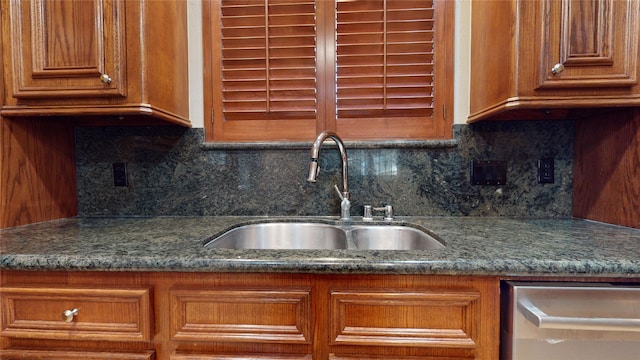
(583, 47)
(187, 356)
(67, 48)
(438, 318)
(101, 314)
(271, 316)
(382, 357)
(72, 355)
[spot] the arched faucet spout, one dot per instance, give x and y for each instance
(314, 170)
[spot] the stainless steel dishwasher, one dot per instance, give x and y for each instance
(566, 321)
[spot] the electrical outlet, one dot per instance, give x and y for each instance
(120, 176)
(546, 171)
(488, 172)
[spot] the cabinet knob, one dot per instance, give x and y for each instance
(68, 315)
(557, 69)
(105, 79)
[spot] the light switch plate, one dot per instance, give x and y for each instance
(489, 172)
(120, 174)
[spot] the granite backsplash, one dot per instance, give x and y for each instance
(170, 172)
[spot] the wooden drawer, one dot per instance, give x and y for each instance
(102, 314)
(72, 355)
(429, 318)
(180, 356)
(385, 357)
(264, 316)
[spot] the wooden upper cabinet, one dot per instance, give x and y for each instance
(545, 58)
(68, 48)
(583, 47)
(95, 57)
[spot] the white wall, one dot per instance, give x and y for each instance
(462, 67)
(462, 63)
(194, 19)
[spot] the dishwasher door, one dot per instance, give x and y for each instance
(570, 321)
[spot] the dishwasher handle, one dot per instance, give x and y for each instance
(544, 321)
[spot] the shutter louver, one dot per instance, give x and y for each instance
(384, 60)
(268, 60)
(281, 70)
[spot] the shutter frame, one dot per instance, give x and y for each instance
(390, 104)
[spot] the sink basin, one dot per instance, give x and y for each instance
(328, 236)
(392, 237)
(282, 235)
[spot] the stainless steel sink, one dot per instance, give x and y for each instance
(391, 237)
(282, 235)
(328, 236)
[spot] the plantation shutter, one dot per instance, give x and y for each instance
(385, 68)
(367, 69)
(267, 69)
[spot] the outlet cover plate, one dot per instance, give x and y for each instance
(546, 171)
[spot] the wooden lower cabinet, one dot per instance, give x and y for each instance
(412, 317)
(365, 357)
(242, 315)
(178, 356)
(72, 355)
(76, 313)
(248, 316)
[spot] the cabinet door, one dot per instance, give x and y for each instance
(76, 313)
(72, 355)
(187, 356)
(258, 316)
(426, 318)
(67, 48)
(589, 43)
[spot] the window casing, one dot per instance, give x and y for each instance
(285, 70)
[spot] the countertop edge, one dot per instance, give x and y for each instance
(502, 247)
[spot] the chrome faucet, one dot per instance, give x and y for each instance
(345, 204)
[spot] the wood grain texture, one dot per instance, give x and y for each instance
(57, 52)
(37, 171)
(606, 169)
(366, 71)
(269, 315)
(515, 44)
(73, 355)
(423, 318)
(60, 49)
(257, 315)
(113, 314)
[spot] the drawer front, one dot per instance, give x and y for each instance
(91, 314)
(180, 356)
(72, 355)
(385, 357)
(446, 318)
(264, 316)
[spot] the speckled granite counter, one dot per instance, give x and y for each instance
(475, 246)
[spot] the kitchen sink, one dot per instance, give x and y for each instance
(329, 236)
(391, 237)
(282, 235)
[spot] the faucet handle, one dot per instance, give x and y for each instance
(388, 212)
(368, 212)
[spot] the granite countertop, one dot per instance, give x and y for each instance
(474, 246)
